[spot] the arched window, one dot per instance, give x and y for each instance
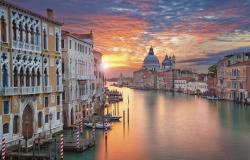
(5, 75)
(21, 77)
(15, 77)
(32, 35)
(27, 77)
(3, 30)
(57, 42)
(16, 125)
(57, 77)
(38, 77)
(14, 28)
(21, 31)
(45, 77)
(40, 119)
(33, 77)
(44, 39)
(37, 36)
(26, 33)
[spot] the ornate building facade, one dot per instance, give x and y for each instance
(79, 75)
(30, 74)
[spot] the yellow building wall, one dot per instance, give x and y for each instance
(46, 110)
(14, 108)
(52, 77)
(58, 109)
(52, 100)
(51, 38)
(40, 105)
(5, 119)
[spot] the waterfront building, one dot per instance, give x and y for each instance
(197, 87)
(232, 77)
(152, 75)
(212, 85)
(186, 74)
(180, 85)
(30, 74)
(99, 81)
(124, 81)
(78, 77)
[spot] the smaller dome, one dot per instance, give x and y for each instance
(166, 61)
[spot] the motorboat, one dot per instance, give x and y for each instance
(98, 125)
(112, 117)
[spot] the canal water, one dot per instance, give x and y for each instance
(173, 126)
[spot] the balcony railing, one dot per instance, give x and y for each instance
(26, 46)
(8, 91)
(47, 89)
(59, 88)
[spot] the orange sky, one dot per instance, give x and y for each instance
(197, 32)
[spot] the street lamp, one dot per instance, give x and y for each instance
(50, 119)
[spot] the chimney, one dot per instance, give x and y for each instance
(50, 14)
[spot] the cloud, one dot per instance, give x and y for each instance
(197, 32)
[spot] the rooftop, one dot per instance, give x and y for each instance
(27, 11)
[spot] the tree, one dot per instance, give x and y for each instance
(212, 70)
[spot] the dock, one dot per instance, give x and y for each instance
(84, 144)
(42, 149)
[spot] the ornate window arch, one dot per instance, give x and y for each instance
(14, 30)
(21, 76)
(3, 29)
(45, 39)
(38, 78)
(15, 77)
(21, 31)
(32, 35)
(33, 77)
(5, 75)
(57, 42)
(27, 74)
(46, 77)
(37, 36)
(26, 33)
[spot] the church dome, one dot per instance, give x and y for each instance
(151, 61)
(166, 61)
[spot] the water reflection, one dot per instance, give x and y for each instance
(159, 125)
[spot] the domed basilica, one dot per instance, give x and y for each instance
(154, 75)
(151, 62)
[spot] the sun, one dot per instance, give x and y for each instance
(104, 65)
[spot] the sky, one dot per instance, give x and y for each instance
(197, 32)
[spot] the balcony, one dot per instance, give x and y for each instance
(11, 91)
(81, 77)
(47, 89)
(59, 88)
(26, 46)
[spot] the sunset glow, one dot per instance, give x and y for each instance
(124, 30)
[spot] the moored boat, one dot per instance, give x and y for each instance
(98, 125)
(112, 117)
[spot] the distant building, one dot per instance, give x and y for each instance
(180, 85)
(152, 75)
(197, 87)
(233, 77)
